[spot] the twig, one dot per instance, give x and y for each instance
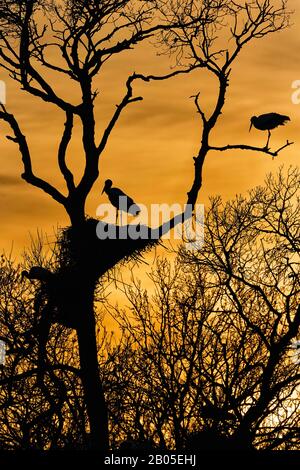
(28, 174)
(252, 148)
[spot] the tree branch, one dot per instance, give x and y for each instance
(199, 109)
(69, 178)
(252, 148)
(28, 174)
(128, 98)
(125, 101)
(31, 372)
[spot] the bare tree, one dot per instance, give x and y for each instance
(40, 408)
(214, 47)
(85, 35)
(210, 360)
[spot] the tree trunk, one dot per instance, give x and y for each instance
(92, 386)
(84, 289)
(76, 213)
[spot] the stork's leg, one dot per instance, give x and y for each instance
(269, 136)
(117, 216)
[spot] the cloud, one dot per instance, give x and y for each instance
(150, 151)
(8, 180)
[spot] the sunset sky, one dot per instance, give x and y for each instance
(150, 151)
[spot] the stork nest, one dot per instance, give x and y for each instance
(82, 258)
(97, 255)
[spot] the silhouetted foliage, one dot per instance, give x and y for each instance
(209, 361)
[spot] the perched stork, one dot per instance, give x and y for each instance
(120, 200)
(38, 273)
(267, 122)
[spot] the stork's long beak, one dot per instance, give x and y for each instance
(103, 189)
(250, 126)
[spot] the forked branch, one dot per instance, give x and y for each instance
(28, 175)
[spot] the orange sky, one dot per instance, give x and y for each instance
(151, 149)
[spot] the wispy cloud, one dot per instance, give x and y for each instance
(9, 180)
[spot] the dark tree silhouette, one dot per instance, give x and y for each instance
(214, 47)
(41, 397)
(210, 362)
(85, 35)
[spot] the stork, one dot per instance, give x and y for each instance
(120, 200)
(38, 273)
(267, 122)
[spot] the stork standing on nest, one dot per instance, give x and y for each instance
(267, 122)
(120, 200)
